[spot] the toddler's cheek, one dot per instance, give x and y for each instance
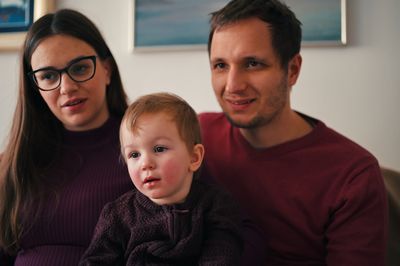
(172, 169)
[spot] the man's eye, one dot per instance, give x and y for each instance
(133, 155)
(219, 66)
(160, 149)
(253, 63)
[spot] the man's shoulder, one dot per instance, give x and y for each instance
(342, 141)
(326, 140)
(339, 146)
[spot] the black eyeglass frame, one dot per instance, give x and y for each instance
(31, 74)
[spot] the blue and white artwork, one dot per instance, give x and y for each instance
(173, 22)
(167, 23)
(321, 19)
(15, 15)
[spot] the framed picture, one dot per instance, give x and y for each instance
(184, 24)
(172, 24)
(323, 21)
(16, 16)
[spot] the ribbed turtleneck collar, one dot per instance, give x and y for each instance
(98, 136)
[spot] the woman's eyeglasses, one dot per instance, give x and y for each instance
(80, 69)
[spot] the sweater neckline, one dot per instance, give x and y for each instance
(97, 136)
(178, 207)
(282, 148)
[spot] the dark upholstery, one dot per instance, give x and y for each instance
(392, 183)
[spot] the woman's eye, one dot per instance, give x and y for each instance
(160, 149)
(47, 75)
(78, 69)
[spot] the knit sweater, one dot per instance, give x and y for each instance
(88, 175)
(319, 199)
(135, 231)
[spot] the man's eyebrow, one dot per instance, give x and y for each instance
(216, 59)
(253, 57)
(243, 59)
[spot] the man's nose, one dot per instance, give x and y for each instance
(235, 81)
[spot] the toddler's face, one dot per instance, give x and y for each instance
(159, 163)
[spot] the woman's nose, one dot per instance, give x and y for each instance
(67, 84)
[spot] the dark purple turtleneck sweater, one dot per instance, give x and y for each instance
(203, 230)
(91, 174)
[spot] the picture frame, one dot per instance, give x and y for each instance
(323, 21)
(184, 24)
(16, 16)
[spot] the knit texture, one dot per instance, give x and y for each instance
(319, 199)
(204, 230)
(88, 175)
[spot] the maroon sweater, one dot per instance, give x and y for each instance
(89, 174)
(319, 199)
(204, 230)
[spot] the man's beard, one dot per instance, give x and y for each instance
(277, 103)
(257, 121)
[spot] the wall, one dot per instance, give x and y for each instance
(354, 89)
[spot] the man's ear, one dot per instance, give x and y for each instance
(197, 157)
(294, 67)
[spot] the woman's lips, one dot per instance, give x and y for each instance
(73, 102)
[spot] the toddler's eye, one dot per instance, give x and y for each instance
(133, 155)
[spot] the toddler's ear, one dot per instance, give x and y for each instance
(197, 157)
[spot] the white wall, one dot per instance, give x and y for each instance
(354, 89)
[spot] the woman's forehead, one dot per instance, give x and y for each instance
(59, 50)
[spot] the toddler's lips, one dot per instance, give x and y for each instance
(150, 179)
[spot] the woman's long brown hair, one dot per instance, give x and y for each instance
(35, 136)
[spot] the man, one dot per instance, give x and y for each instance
(317, 197)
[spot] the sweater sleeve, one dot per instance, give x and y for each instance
(356, 234)
(223, 243)
(107, 245)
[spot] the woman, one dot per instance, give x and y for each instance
(61, 163)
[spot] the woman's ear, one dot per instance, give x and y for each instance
(108, 68)
(197, 157)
